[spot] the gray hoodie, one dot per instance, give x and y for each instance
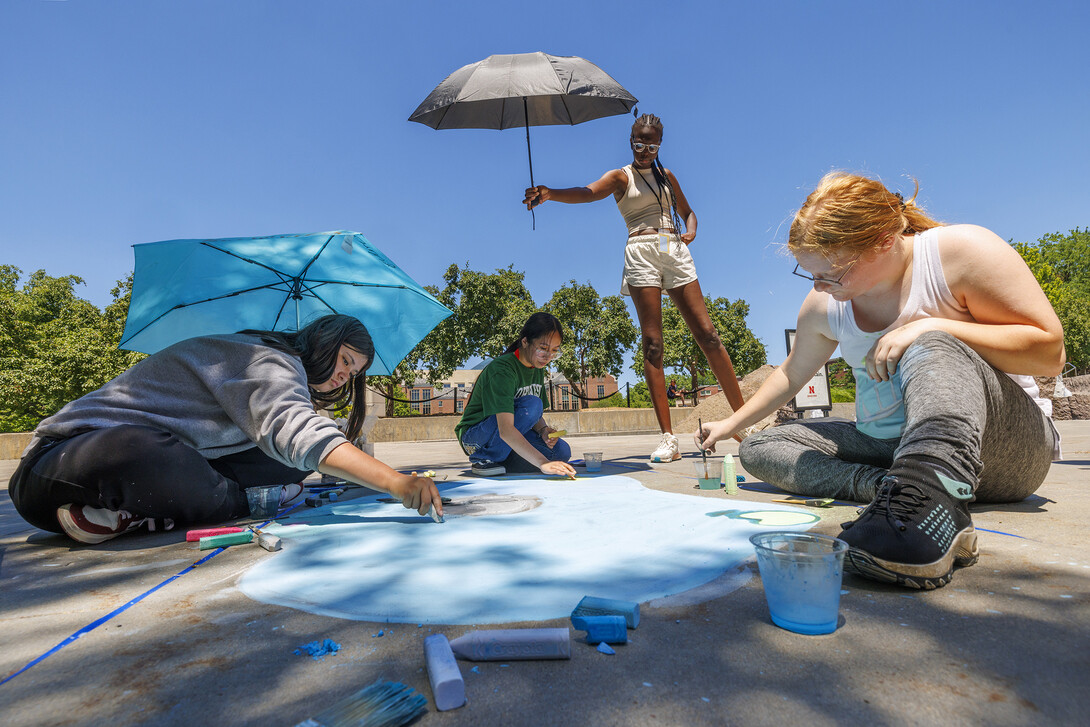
(217, 394)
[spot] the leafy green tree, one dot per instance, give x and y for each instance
(489, 310)
(597, 333)
(54, 346)
(680, 349)
(1061, 264)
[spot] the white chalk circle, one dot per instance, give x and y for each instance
(519, 550)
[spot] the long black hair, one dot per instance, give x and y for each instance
(317, 345)
(538, 325)
(659, 171)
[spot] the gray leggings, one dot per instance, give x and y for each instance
(958, 409)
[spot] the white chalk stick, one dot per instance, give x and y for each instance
(447, 687)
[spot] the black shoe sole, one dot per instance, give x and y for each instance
(925, 576)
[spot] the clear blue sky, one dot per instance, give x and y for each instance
(140, 120)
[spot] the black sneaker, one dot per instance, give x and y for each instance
(913, 535)
(487, 468)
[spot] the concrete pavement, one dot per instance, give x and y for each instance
(1006, 643)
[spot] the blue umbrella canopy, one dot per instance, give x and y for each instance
(187, 288)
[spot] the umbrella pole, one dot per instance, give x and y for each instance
(526, 118)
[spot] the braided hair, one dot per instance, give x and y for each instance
(659, 171)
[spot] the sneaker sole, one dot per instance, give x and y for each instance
(74, 531)
(677, 456)
(925, 576)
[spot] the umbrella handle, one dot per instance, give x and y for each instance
(530, 158)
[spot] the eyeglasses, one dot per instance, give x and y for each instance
(549, 353)
(640, 146)
(827, 281)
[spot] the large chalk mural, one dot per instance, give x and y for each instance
(510, 550)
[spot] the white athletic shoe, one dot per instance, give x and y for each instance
(667, 451)
(92, 525)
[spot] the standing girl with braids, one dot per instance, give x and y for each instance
(945, 328)
(656, 259)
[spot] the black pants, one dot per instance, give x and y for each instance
(147, 472)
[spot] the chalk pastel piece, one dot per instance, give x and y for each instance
(513, 644)
(313, 501)
(558, 434)
(729, 478)
(447, 687)
(194, 535)
(435, 515)
(222, 541)
(269, 542)
(609, 629)
(595, 606)
(604, 648)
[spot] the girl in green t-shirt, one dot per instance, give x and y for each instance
(502, 428)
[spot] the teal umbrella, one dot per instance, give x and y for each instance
(187, 288)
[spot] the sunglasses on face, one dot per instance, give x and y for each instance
(640, 146)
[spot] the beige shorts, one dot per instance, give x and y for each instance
(646, 266)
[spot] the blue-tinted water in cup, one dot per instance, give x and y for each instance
(593, 461)
(264, 501)
(801, 574)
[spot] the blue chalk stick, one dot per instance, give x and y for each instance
(595, 606)
(608, 629)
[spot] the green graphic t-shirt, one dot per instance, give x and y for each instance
(501, 382)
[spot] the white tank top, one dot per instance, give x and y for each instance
(644, 204)
(879, 410)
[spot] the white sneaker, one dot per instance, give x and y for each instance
(667, 451)
(92, 525)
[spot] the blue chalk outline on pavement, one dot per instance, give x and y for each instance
(121, 609)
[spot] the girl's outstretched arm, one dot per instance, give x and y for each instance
(415, 493)
(613, 182)
(813, 347)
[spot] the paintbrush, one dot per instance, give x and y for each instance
(382, 704)
(703, 452)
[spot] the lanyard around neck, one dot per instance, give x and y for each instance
(657, 192)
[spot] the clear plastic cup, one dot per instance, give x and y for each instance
(264, 501)
(593, 461)
(708, 473)
(801, 574)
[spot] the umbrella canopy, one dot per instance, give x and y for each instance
(186, 288)
(524, 89)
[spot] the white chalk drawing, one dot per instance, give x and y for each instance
(509, 551)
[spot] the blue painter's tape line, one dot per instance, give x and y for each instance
(999, 532)
(121, 609)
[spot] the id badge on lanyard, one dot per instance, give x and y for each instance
(664, 242)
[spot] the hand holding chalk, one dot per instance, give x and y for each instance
(558, 468)
(432, 503)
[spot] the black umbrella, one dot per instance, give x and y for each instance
(524, 89)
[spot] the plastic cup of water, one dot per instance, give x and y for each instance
(708, 472)
(264, 501)
(801, 574)
(593, 461)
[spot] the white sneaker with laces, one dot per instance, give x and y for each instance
(667, 451)
(92, 525)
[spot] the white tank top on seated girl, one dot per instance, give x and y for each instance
(879, 409)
